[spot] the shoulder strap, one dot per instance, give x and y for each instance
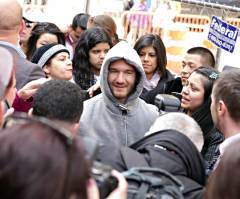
(132, 158)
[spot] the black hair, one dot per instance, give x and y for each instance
(37, 31)
(207, 56)
(156, 42)
(59, 99)
(81, 65)
(80, 20)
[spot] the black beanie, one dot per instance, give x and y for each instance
(43, 54)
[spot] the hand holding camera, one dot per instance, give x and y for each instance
(120, 192)
(105, 182)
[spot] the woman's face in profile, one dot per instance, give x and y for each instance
(193, 93)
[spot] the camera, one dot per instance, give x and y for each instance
(100, 172)
(168, 103)
(105, 181)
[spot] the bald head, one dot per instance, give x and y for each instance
(180, 122)
(10, 16)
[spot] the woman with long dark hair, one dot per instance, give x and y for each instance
(89, 54)
(43, 33)
(196, 101)
(152, 52)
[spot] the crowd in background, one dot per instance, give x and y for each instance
(58, 88)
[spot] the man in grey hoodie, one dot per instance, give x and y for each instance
(118, 115)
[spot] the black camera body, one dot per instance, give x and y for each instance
(167, 103)
(105, 181)
(100, 172)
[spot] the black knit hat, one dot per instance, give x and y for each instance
(43, 54)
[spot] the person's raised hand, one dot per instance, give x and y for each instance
(93, 88)
(30, 88)
(119, 193)
(92, 189)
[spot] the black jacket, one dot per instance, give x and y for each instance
(182, 159)
(174, 152)
(174, 85)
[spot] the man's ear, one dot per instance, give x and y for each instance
(22, 27)
(221, 108)
(46, 70)
(1, 113)
(75, 128)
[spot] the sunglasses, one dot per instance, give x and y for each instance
(28, 24)
(22, 118)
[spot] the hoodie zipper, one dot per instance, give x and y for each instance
(124, 116)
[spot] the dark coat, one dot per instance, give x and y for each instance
(26, 71)
(174, 152)
(174, 85)
(185, 162)
(149, 96)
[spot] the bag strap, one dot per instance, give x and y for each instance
(132, 158)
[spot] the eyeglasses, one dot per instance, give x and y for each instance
(28, 24)
(22, 118)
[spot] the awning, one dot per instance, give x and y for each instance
(226, 2)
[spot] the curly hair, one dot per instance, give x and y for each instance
(59, 99)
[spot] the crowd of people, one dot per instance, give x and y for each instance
(58, 88)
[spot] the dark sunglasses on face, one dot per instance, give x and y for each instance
(28, 24)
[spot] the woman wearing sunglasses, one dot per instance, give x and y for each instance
(25, 34)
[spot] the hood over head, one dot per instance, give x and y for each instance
(125, 51)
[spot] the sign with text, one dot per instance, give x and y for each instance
(222, 34)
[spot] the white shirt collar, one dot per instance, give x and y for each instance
(18, 50)
(227, 142)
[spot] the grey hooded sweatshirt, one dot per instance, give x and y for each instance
(104, 118)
